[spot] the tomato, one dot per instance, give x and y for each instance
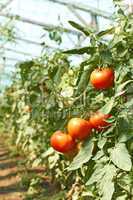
(98, 120)
(102, 78)
(79, 128)
(62, 142)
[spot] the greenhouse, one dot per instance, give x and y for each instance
(66, 100)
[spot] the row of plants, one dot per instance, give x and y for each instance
(84, 112)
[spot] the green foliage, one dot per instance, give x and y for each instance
(81, 158)
(120, 157)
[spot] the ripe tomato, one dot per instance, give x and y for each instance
(98, 120)
(79, 128)
(102, 78)
(62, 142)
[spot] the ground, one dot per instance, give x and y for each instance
(15, 176)
(10, 187)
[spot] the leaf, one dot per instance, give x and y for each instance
(80, 51)
(125, 130)
(83, 81)
(120, 157)
(47, 153)
(109, 131)
(125, 136)
(103, 177)
(83, 156)
(129, 103)
(98, 155)
(108, 31)
(84, 30)
(88, 194)
(107, 107)
(123, 197)
(106, 56)
(125, 181)
(96, 176)
(102, 142)
(110, 120)
(106, 185)
(120, 88)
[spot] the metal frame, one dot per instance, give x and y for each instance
(48, 27)
(84, 8)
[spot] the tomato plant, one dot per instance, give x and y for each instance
(58, 92)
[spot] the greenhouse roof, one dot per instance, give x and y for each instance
(33, 19)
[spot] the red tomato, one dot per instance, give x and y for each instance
(98, 120)
(62, 142)
(79, 128)
(102, 78)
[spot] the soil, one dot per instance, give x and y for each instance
(13, 170)
(10, 187)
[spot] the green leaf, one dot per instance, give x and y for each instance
(83, 81)
(88, 194)
(47, 153)
(125, 136)
(83, 156)
(84, 30)
(96, 176)
(107, 107)
(129, 103)
(80, 51)
(108, 131)
(125, 130)
(102, 142)
(123, 197)
(98, 155)
(106, 185)
(110, 120)
(120, 157)
(108, 31)
(106, 56)
(103, 177)
(121, 87)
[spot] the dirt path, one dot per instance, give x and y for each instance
(10, 188)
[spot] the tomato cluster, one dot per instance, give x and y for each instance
(79, 129)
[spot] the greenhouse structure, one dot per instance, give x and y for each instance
(66, 100)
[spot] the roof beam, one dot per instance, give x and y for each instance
(84, 8)
(48, 27)
(19, 52)
(35, 43)
(28, 41)
(12, 59)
